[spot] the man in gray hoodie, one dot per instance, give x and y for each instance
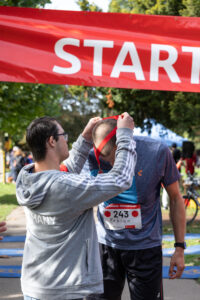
(61, 256)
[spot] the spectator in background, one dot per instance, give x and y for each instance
(190, 164)
(17, 162)
(198, 158)
(176, 153)
(28, 158)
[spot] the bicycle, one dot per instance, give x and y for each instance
(192, 198)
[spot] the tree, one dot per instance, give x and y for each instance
(86, 6)
(24, 3)
(20, 103)
(176, 110)
(78, 106)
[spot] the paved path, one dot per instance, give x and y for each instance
(10, 287)
(184, 289)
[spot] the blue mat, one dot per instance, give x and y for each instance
(188, 273)
(10, 271)
(15, 272)
(188, 236)
(11, 252)
(8, 239)
(167, 252)
(166, 237)
(189, 250)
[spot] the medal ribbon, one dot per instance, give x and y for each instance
(97, 151)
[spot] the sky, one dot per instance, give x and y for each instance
(71, 4)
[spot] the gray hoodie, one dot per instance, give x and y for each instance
(61, 255)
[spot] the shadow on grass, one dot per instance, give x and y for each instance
(8, 200)
(192, 228)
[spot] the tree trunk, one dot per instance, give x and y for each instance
(2, 160)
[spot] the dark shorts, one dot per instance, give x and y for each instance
(142, 268)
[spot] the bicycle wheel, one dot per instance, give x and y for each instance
(191, 208)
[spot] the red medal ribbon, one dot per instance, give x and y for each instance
(97, 151)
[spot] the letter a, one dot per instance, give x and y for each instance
(128, 47)
(166, 64)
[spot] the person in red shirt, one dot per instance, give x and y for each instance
(190, 164)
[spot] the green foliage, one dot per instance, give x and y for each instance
(24, 3)
(152, 7)
(185, 108)
(191, 8)
(21, 103)
(78, 106)
(142, 104)
(86, 6)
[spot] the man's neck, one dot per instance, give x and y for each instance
(47, 164)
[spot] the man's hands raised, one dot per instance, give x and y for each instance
(125, 121)
(87, 132)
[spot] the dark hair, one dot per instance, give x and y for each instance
(37, 134)
(174, 145)
(106, 127)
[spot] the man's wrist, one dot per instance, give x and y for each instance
(180, 245)
(87, 136)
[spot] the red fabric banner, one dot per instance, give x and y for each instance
(100, 49)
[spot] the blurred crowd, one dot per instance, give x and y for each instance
(186, 158)
(16, 159)
(189, 161)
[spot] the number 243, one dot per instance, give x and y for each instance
(122, 214)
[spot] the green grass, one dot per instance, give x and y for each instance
(192, 260)
(8, 199)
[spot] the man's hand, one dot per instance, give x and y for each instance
(125, 121)
(2, 228)
(177, 261)
(87, 132)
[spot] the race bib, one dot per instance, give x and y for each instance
(122, 216)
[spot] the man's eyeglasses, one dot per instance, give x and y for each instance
(65, 135)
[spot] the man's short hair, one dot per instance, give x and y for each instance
(101, 130)
(38, 133)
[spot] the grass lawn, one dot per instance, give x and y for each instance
(8, 199)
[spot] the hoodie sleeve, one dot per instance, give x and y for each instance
(86, 191)
(78, 155)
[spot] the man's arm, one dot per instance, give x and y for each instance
(81, 148)
(2, 228)
(177, 215)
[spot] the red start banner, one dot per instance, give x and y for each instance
(100, 49)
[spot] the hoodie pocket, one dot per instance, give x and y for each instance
(93, 262)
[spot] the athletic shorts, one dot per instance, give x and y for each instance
(141, 268)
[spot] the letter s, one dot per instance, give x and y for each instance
(76, 64)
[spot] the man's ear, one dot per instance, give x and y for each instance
(51, 142)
